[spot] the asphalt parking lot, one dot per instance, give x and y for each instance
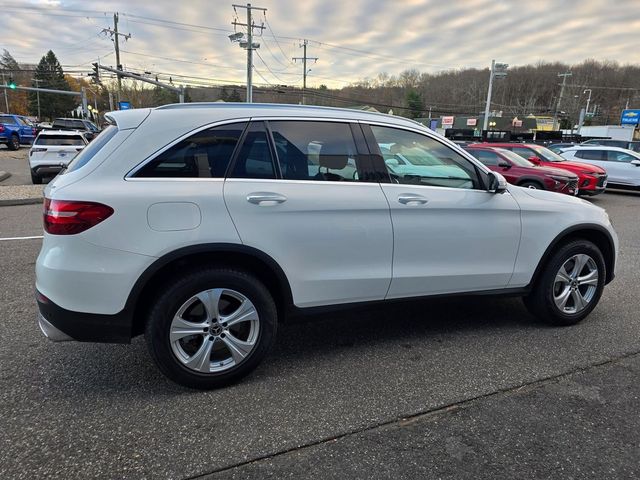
(465, 388)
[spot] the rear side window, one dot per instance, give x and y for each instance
(60, 140)
(90, 150)
(324, 151)
(205, 154)
(7, 119)
(255, 159)
(591, 154)
(486, 157)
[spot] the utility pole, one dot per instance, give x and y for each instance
(115, 35)
(6, 98)
(249, 45)
(37, 82)
(564, 81)
(498, 70)
(304, 59)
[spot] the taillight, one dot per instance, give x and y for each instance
(36, 150)
(63, 217)
(1, 128)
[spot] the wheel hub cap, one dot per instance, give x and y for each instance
(214, 330)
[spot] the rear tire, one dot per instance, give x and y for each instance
(216, 341)
(531, 184)
(570, 284)
(14, 142)
(36, 179)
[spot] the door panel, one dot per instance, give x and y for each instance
(333, 240)
(459, 240)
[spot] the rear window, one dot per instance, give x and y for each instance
(90, 150)
(63, 140)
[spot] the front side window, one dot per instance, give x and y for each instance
(416, 159)
(620, 157)
(205, 154)
(523, 152)
(323, 151)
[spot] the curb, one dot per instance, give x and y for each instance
(20, 201)
(4, 175)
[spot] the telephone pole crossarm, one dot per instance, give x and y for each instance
(248, 45)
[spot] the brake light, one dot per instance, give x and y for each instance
(63, 217)
(1, 128)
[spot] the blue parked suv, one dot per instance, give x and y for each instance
(16, 130)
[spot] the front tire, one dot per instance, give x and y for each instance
(211, 327)
(570, 284)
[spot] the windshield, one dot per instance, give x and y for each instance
(90, 150)
(514, 158)
(548, 155)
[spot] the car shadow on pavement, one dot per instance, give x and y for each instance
(424, 324)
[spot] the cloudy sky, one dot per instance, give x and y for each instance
(353, 39)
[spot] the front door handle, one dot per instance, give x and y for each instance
(412, 199)
(266, 198)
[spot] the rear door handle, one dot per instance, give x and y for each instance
(265, 198)
(411, 199)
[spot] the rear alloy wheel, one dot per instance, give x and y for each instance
(14, 142)
(211, 328)
(532, 185)
(570, 285)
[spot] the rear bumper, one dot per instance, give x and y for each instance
(61, 325)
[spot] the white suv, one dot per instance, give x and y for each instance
(52, 150)
(204, 225)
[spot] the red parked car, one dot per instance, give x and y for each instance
(521, 172)
(592, 180)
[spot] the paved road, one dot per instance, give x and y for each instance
(333, 398)
(17, 164)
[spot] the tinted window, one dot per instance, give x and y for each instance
(205, 154)
(254, 159)
(523, 152)
(487, 157)
(322, 151)
(620, 157)
(59, 140)
(90, 151)
(7, 119)
(417, 159)
(591, 154)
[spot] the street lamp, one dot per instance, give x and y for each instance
(588, 99)
(498, 70)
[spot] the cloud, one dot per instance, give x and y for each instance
(374, 35)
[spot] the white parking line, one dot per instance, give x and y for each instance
(21, 238)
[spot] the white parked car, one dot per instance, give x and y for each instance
(622, 165)
(205, 225)
(52, 150)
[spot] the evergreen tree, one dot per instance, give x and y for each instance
(415, 104)
(49, 74)
(235, 96)
(162, 96)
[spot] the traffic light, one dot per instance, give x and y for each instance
(96, 74)
(12, 84)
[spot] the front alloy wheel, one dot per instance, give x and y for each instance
(570, 284)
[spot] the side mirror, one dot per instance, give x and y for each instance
(504, 164)
(635, 162)
(535, 160)
(497, 183)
